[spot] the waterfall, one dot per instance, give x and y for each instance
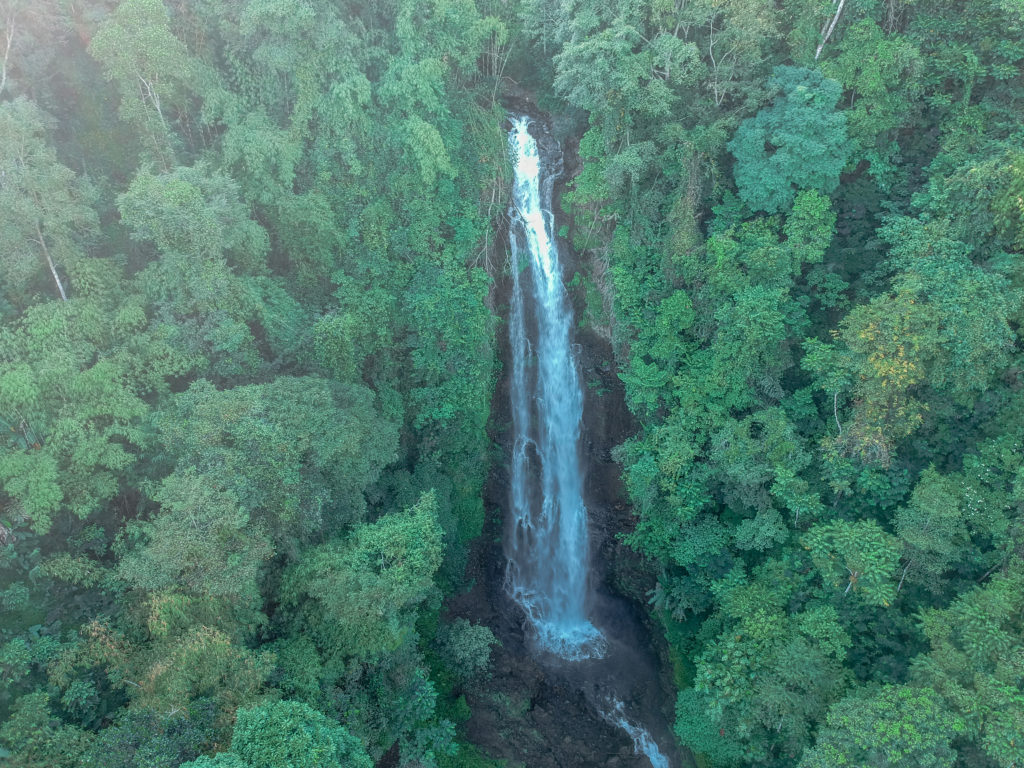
(547, 543)
(548, 540)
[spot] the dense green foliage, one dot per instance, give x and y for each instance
(245, 370)
(246, 359)
(806, 233)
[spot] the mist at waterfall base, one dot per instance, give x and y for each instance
(547, 542)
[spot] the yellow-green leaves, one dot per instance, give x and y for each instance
(426, 148)
(201, 542)
(944, 323)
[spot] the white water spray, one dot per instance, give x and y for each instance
(548, 552)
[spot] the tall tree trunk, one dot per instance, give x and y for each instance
(49, 263)
(825, 35)
(9, 35)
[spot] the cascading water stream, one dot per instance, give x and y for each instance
(547, 545)
(548, 552)
(643, 743)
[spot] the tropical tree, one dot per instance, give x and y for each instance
(287, 733)
(45, 217)
(799, 142)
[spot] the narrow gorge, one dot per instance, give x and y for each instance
(549, 574)
(578, 680)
